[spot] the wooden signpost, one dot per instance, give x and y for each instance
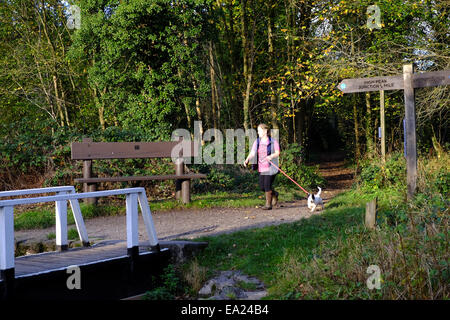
(406, 82)
(383, 127)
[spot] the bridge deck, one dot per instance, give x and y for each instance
(106, 272)
(35, 264)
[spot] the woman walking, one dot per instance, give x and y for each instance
(265, 148)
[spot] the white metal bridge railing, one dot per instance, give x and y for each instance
(60, 208)
(134, 197)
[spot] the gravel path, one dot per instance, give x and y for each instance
(194, 223)
(186, 224)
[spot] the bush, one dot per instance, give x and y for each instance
(170, 286)
(434, 175)
(374, 175)
(159, 293)
(224, 178)
(291, 163)
(194, 276)
(441, 181)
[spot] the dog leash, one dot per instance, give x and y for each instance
(287, 176)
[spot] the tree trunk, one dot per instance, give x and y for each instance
(233, 90)
(185, 103)
(58, 100)
(301, 123)
(273, 96)
(212, 76)
(100, 108)
(63, 96)
(198, 109)
(43, 19)
(244, 35)
(188, 117)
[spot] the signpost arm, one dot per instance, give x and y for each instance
(410, 115)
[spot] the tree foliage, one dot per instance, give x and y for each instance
(151, 66)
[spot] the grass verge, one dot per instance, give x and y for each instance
(327, 256)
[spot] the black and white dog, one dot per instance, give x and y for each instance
(314, 200)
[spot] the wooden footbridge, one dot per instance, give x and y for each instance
(107, 270)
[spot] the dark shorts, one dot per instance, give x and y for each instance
(266, 181)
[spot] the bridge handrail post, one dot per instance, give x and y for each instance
(78, 217)
(6, 240)
(148, 220)
(132, 224)
(61, 223)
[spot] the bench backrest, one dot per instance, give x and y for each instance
(131, 150)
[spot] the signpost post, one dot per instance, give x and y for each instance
(407, 82)
(410, 117)
(383, 127)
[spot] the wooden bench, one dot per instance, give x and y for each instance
(87, 150)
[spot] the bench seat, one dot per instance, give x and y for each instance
(87, 151)
(142, 178)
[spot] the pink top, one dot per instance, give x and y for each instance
(264, 165)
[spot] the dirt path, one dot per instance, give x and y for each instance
(193, 223)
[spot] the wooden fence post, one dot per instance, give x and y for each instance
(371, 214)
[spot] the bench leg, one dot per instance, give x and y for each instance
(89, 187)
(179, 170)
(178, 189)
(186, 190)
(183, 190)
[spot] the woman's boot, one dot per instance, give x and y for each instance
(268, 205)
(274, 198)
